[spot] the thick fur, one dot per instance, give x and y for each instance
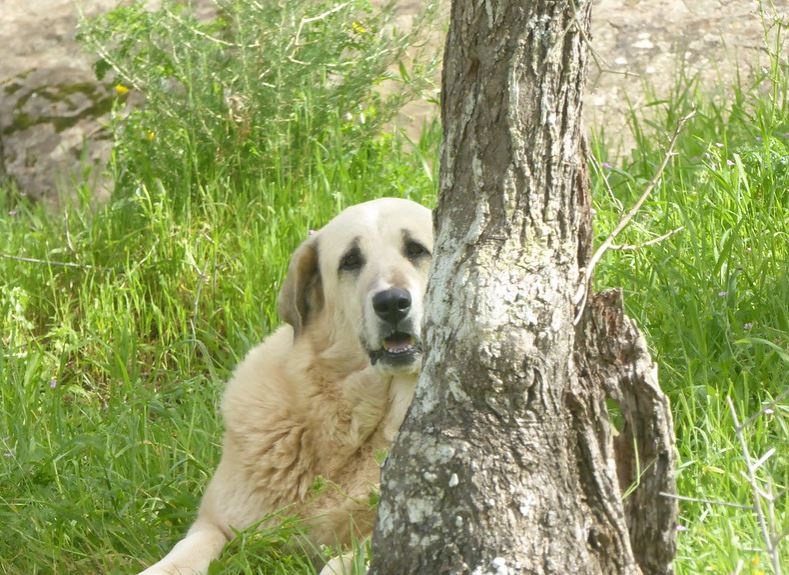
(319, 399)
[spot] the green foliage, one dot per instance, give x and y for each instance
(712, 298)
(117, 331)
(253, 92)
(119, 323)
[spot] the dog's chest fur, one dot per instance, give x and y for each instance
(309, 430)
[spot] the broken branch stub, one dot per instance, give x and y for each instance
(615, 365)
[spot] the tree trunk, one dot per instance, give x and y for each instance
(506, 462)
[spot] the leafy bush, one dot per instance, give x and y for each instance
(254, 91)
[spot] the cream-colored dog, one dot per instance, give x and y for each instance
(316, 401)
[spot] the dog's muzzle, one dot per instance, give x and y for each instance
(399, 343)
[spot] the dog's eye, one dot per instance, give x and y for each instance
(415, 250)
(352, 260)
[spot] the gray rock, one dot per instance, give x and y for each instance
(51, 131)
(50, 103)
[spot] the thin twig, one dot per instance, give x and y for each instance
(325, 14)
(765, 408)
(600, 62)
(104, 54)
(587, 274)
(625, 221)
(196, 30)
(46, 262)
(772, 548)
(296, 41)
(652, 242)
(596, 165)
(708, 501)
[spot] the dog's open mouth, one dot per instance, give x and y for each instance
(398, 343)
(398, 347)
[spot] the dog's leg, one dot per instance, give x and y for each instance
(193, 554)
(340, 565)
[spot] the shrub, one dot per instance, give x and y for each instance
(253, 91)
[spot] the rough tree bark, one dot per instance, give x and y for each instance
(507, 462)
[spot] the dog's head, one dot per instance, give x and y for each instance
(362, 278)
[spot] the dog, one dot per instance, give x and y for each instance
(325, 394)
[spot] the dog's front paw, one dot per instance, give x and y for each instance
(340, 565)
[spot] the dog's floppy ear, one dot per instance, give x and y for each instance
(301, 294)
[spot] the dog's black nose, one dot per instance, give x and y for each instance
(392, 304)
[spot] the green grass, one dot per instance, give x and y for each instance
(713, 299)
(119, 323)
(112, 367)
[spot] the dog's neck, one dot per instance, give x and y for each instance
(401, 392)
(373, 407)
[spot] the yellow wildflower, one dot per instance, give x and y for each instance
(121, 90)
(357, 27)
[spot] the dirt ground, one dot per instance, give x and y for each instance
(642, 47)
(46, 80)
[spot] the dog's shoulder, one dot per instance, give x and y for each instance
(259, 383)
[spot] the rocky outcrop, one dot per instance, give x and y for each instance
(52, 133)
(51, 106)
